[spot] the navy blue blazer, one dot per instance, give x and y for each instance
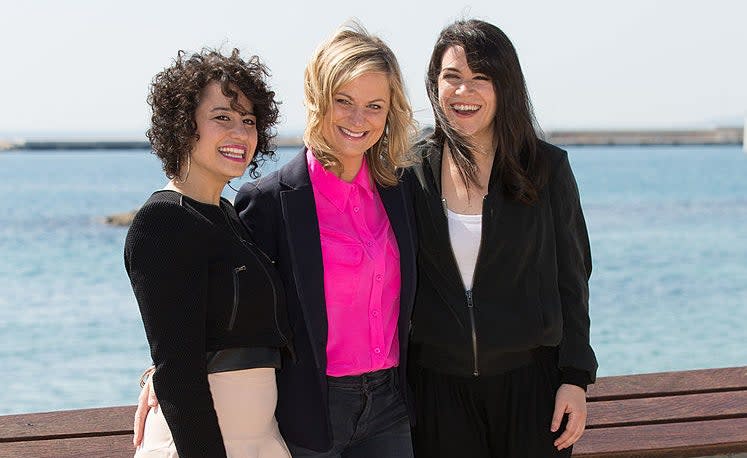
(280, 214)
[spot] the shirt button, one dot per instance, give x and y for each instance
(369, 244)
(378, 277)
(375, 313)
(356, 209)
(377, 350)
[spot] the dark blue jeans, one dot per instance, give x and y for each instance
(369, 418)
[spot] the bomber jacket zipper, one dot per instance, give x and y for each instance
(468, 293)
(471, 310)
(235, 310)
(255, 249)
(285, 340)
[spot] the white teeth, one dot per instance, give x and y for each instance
(464, 107)
(235, 153)
(351, 133)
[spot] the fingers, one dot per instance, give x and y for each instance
(573, 431)
(557, 415)
(138, 425)
(152, 399)
(569, 399)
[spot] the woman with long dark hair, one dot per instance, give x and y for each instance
(500, 331)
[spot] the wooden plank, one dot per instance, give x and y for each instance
(667, 409)
(669, 383)
(700, 438)
(68, 423)
(99, 447)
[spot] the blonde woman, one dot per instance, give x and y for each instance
(339, 226)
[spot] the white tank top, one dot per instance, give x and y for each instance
(465, 232)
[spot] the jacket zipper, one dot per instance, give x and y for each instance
(274, 302)
(471, 310)
(468, 293)
(235, 310)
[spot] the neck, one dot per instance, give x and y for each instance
(201, 192)
(350, 167)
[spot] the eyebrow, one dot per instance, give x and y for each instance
(242, 113)
(370, 101)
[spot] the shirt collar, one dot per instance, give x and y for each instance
(334, 189)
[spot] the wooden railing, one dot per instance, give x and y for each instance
(669, 414)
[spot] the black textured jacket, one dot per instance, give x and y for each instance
(202, 287)
(530, 285)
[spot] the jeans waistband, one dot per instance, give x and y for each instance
(363, 381)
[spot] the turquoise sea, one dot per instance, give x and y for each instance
(668, 228)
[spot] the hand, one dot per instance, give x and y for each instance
(571, 400)
(146, 401)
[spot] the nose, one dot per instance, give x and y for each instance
(357, 116)
(240, 130)
(464, 87)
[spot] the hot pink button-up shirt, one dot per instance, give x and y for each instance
(361, 272)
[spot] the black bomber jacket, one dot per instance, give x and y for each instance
(530, 285)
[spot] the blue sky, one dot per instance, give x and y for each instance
(81, 67)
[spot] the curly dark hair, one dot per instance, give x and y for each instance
(175, 94)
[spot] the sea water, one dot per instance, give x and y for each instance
(668, 290)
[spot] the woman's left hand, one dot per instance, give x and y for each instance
(571, 400)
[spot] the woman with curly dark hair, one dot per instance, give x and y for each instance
(212, 303)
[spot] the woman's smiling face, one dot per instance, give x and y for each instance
(467, 98)
(357, 116)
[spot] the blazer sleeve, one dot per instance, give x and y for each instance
(577, 361)
(257, 209)
(169, 278)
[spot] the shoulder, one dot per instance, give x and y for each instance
(162, 208)
(553, 154)
(423, 151)
(161, 217)
(263, 189)
(424, 148)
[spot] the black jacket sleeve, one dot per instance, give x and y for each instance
(576, 360)
(168, 272)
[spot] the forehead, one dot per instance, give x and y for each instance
(212, 95)
(454, 57)
(368, 86)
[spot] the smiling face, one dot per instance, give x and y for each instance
(227, 137)
(467, 99)
(356, 119)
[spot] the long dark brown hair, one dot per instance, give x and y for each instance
(489, 51)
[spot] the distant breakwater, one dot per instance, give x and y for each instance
(716, 136)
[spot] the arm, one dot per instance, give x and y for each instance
(576, 358)
(168, 276)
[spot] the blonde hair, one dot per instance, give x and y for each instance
(349, 53)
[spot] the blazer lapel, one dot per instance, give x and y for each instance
(398, 207)
(302, 230)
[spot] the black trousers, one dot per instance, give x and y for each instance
(498, 416)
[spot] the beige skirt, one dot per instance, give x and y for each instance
(245, 404)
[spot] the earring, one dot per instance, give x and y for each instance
(179, 179)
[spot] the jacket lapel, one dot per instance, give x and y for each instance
(302, 230)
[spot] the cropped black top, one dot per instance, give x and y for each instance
(210, 301)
